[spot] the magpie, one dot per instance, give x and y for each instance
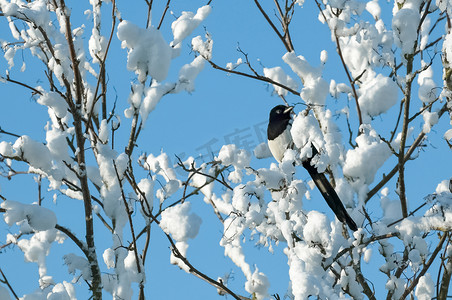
(280, 139)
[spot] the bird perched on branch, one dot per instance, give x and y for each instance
(280, 139)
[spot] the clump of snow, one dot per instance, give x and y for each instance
(427, 87)
(396, 285)
(425, 289)
(62, 291)
(323, 56)
(278, 75)
(232, 66)
(374, 9)
(404, 26)
(315, 88)
(238, 158)
(35, 153)
(203, 48)
(377, 95)
(306, 131)
(261, 151)
(6, 149)
(109, 258)
(161, 165)
(57, 144)
(152, 96)
(36, 249)
(187, 22)
(444, 186)
(55, 102)
(337, 88)
(180, 223)
(146, 187)
(4, 293)
(257, 285)
(77, 263)
(39, 218)
(148, 52)
(317, 228)
(9, 56)
(430, 119)
(104, 131)
(362, 163)
(188, 74)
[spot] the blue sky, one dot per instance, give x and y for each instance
(223, 108)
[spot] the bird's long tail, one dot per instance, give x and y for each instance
(330, 195)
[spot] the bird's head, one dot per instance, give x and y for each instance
(280, 112)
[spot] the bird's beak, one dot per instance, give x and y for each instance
(288, 109)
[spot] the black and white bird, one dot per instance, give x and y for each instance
(280, 139)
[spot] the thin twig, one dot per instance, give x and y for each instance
(280, 36)
(129, 215)
(164, 13)
(257, 77)
(5, 281)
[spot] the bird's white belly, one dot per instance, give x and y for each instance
(279, 145)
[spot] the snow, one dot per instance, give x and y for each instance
(374, 9)
(363, 162)
(160, 165)
(315, 88)
(188, 74)
(180, 223)
(277, 74)
(238, 158)
(267, 204)
(77, 263)
(261, 151)
(57, 144)
(427, 88)
(430, 119)
(187, 22)
(306, 132)
(55, 102)
(152, 96)
(324, 57)
(104, 131)
(39, 218)
(148, 52)
(203, 48)
(109, 258)
(396, 285)
(4, 293)
(146, 187)
(377, 95)
(316, 230)
(35, 153)
(6, 149)
(425, 289)
(62, 291)
(36, 249)
(258, 285)
(404, 25)
(232, 66)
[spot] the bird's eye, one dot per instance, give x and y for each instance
(278, 111)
